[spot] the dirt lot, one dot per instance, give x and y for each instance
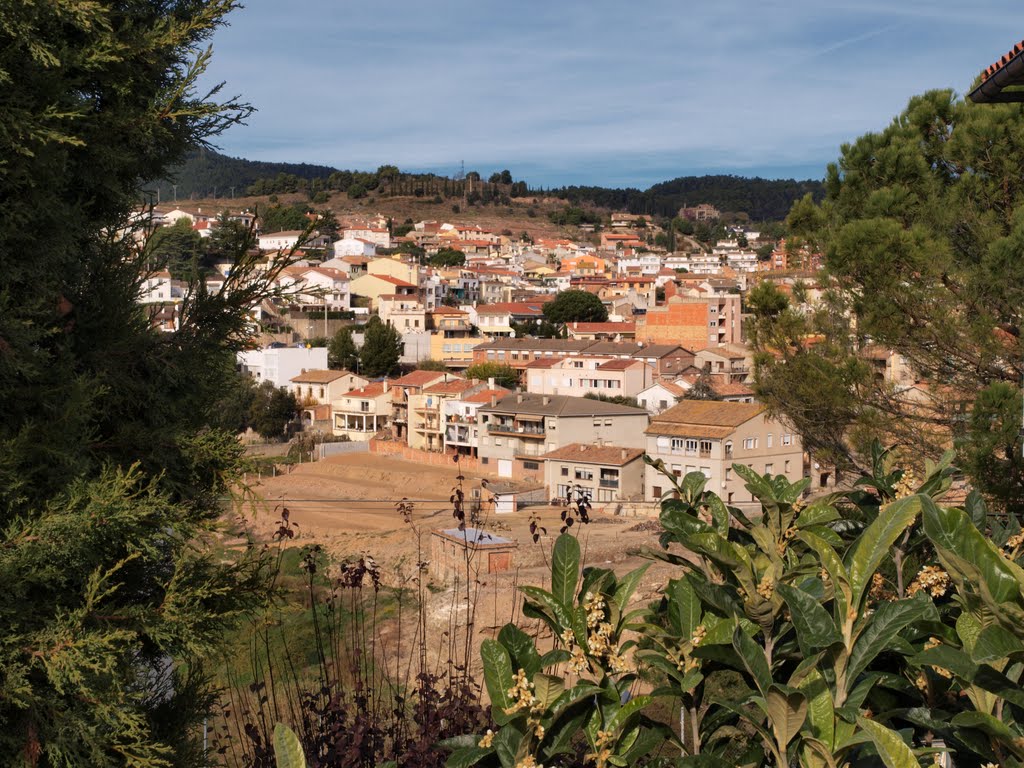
(347, 503)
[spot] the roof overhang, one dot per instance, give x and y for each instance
(1003, 81)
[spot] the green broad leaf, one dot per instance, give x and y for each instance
(833, 565)
(833, 539)
(986, 723)
(684, 608)
(556, 656)
(976, 509)
(678, 519)
(890, 746)
(953, 533)
(551, 610)
(627, 586)
(627, 714)
(722, 599)
(752, 657)
(787, 711)
(458, 742)
(765, 541)
(521, 649)
(572, 697)
(995, 643)
(560, 736)
(497, 673)
(579, 626)
(813, 624)
(594, 580)
(509, 746)
(816, 514)
(467, 757)
(888, 620)
(719, 514)
(968, 627)
(953, 659)
(875, 542)
(647, 740)
(547, 688)
(287, 748)
(821, 714)
(693, 485)
(755, 483)
(565, 569)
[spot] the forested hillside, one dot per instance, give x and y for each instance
(208, 174)
(761, 199)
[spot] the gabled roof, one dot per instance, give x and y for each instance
(511, 308)
(454, 387)
(418, 378)
(370, 390)
(392, 280)
(620, 364)
(583, 453)
(703, 418)
(486, 395)
(319, 377)
(559, 405)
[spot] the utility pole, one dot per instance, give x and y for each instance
(232, 193)
(175, 188)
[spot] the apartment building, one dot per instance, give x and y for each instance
(601, 473)
(521, 427)
(709, 437)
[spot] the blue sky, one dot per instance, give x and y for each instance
(596, 92)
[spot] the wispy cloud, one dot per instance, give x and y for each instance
(590, 92)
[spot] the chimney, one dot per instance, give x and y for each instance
(545, 400)
(623, 454)
(490, 382)
(519, 397)
(494, 400)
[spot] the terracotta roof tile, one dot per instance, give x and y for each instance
(610, 455)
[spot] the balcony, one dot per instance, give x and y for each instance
(535, 431)
(607, 482)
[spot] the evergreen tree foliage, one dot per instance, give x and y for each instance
(382, 347)
(504, 375)
(922, 230)
(575, 306)
(342, 354)
(111, 477)
(447, 257)
(271, 409)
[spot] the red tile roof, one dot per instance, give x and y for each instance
(418, 379)
(486, 395)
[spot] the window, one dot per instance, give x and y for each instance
(497, 441)
(706, 471)
(770, 441)
(785, 467)
(769, 469)
(728, 473)
(787, 439)
(584, 474)
(607, 422)
(565, 471)
(750, 443)
(677, 443)
(597, 422)
(677, 470)
(531, 465)
(728, 449)
(663, 404)
(691, 446)
(656, 491)
(484, 460)
(321, 393)
(705, 447)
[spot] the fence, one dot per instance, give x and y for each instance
(332, 449)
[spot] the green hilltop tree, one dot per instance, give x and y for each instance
(342, 354)
(504, 375)
(381, 350)
(922, 229)
(112, 477)
(575, 306)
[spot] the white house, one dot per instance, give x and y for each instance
(354, 246)
(280, 241)
(279, 365)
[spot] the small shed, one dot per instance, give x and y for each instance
(488, 553)
(505, 496)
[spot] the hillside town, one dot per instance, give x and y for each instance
(668, 372)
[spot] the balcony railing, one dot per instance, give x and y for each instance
(609, 483)
(527, 430)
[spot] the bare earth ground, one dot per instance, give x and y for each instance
(347, 504)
